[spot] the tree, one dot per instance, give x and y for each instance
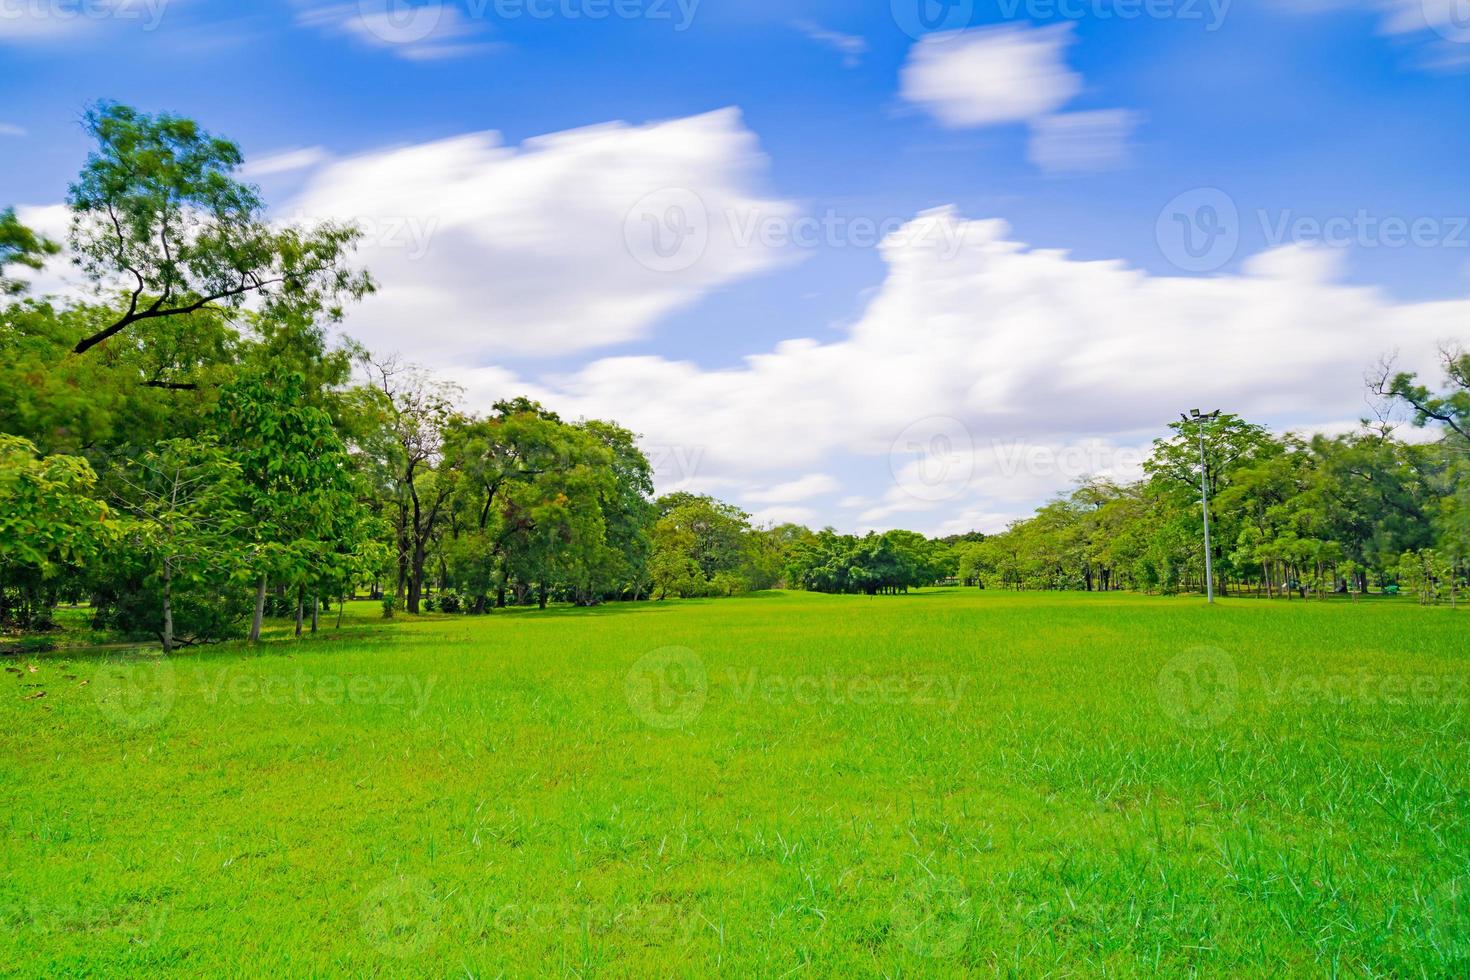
(416, 411)
(157, 209)
(183, 500)
(717, 531)
(50, 523)
(305, 522)
(628, 513)
(1451, 409)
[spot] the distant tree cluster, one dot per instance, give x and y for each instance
(189, 453)
(1288, 515)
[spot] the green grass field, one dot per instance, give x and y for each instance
(781, 785)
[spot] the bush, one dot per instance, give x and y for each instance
(134, 608)
(450, 602)
(388, 603)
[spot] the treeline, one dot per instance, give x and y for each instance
(1288, 515)
(187, 451)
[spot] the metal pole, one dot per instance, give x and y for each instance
(1204, 496)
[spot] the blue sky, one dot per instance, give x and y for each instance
(1087, 131)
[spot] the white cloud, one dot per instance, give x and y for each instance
(850, 46)
(418, 32)
(1056, 368)
(9, 129)
(284, 162)
(1080, 142)
(572, 241)
(802, 488)
(991, 75)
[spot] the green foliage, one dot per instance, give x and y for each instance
(892, 562)
(1451, 409)
(21, 246)
(175, 570)
(541, 506)
(305, 522)
(51, 526)
(1289, 518)
(157, 207)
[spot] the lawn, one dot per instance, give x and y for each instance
(784, 784)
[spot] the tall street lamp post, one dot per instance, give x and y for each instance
(1200, 418)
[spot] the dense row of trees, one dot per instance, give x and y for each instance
(1289, 515)
(185, 449)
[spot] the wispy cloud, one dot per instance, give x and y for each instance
(1083, 142)
(284, 162)
(7, 129)
(850, 46)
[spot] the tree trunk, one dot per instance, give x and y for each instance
(259, 616)
(300, 601)
(416, 581)
(541, 596)
(168, 607)
(316, 608)
(341, 608)
(402, 563)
